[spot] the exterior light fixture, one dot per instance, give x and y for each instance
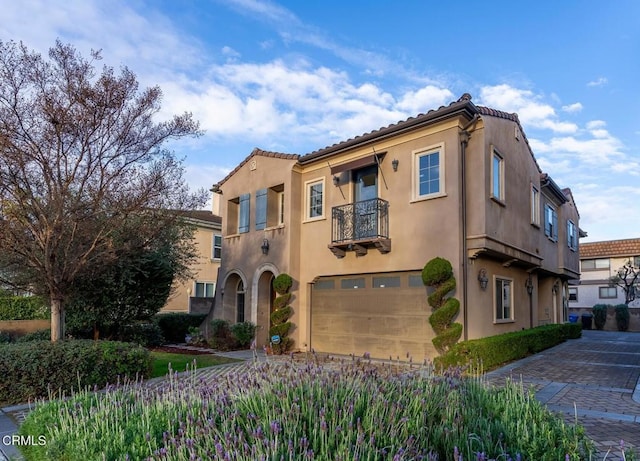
(336, 180)
(265, 247)
(529, 284)
(394, 163)
(483, 279)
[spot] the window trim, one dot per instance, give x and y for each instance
(575, 289)
(307, 199)
(415, 174)
(495, 154)
(607, 288)
(535, 206)
(214, 247)
(205, 283)
(595, 267)
(572, 235)
(511, 318)
(551, 230)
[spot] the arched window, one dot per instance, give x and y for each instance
(240, 302)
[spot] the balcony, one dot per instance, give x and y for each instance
(359, 226)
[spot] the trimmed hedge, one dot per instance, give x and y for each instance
(175, 326)
(494, 351)
(23, 308)
(33, 369)
(600, 315)
(622, 317)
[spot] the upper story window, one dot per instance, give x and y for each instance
(428, 173)
(595, 264)
(497, 176)
(217, 247)
(550, 222)
(270, 207)
(503, 300)
(535, 206)
(314, 199)
(238, 215)
(572, 235)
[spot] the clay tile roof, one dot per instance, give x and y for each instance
(609, 248)
(258, 152)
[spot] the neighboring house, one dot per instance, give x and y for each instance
(599, 261)
(354, 224)
(197, 295)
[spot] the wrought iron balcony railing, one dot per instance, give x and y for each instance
(360, 224)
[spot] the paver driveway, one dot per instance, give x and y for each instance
(596, 378)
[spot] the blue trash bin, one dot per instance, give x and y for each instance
(573, 318)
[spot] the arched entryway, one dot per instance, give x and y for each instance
(233, 298)
(264, 302)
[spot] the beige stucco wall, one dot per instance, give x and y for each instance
(205, 269)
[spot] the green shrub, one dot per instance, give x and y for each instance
(438, 274)
(23, 308)
(243, 333)
(600, 315)
(175, 326)
(40, 335)
(146, 334)
(31, 370)
(282, 283)
(5, 338)
(280, 325)
(221, 336)
(622, 317)
(494, 351)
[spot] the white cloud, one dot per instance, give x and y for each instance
(575, 107)
(529, 107)
(424, 99)
(600, 81)
(230, 52)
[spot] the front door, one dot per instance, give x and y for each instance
(366, 206)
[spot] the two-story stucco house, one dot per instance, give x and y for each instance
(354, 224)
(599, 261)
(196, 296)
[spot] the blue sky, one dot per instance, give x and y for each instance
(295, 76)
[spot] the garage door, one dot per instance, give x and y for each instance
(383, 314)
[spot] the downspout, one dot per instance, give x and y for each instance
(464, 141)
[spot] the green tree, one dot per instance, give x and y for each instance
(134, 286)
(81, 155)
(627, 278)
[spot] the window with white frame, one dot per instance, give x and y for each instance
(573, 293)
(503, 300)
(595, 264)
(550, 222)
(314, 199)
(205, 289)
(572, 235)
(535, 206)
(497, 176)
(607, 292)
(216, 252)
(429, 173)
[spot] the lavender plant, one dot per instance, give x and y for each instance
(295, 411)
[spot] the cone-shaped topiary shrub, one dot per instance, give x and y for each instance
(280, 324)
(438, 274)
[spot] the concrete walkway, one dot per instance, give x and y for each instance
(595, 377)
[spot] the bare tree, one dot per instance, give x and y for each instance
(81, 159)
(626, 278)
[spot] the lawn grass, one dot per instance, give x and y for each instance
(179, 362)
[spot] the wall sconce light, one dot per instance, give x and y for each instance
(529, 284)
(265, 246)
(394, 163)
(483, 279)
(336, 180)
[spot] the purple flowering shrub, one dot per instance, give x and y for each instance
(295, 411)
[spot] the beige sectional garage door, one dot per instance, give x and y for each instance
(385, 315)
